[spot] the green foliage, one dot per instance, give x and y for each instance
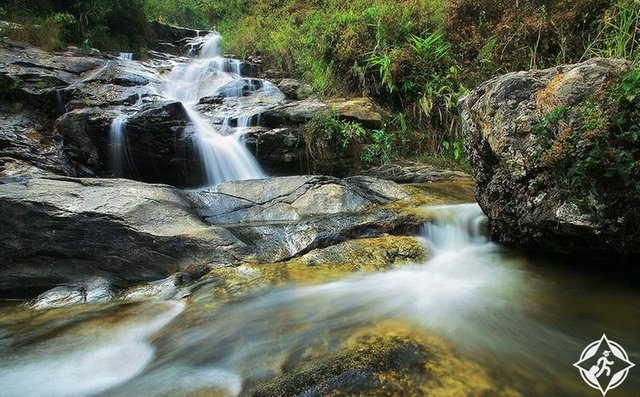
(618, 35)
(547, 128)
(596, 144)
(374, 146)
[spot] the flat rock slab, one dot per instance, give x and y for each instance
(292, 198)
(53, 230)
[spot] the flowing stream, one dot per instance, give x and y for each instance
(525, 320)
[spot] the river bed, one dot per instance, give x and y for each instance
(523, 320)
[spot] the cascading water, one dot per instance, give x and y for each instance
(117, 153)
(472, 292)
(224, 157)
(126, 56)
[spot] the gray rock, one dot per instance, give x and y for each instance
(527, 205)
(28, 146)
(60, 230)
(280, 151)
(415, 173)
(94, 291)
(362, 110)
(294, 89)
(292, 198)
(36, 75)
(290, 216)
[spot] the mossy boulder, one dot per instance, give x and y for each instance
(556, 157)
(384, 361)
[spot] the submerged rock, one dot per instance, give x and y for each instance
(380, 362)
(60, 230)
(546, 178)
(322, 264)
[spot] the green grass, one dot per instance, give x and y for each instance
(416, 58)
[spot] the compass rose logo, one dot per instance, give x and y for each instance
(604, 365)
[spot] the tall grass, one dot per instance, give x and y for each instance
(619, 33)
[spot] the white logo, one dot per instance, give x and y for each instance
(604, 365)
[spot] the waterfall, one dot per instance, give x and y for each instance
(117, 155)
(224, 157)
(126, 56)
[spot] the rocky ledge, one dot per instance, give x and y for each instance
(60, 230)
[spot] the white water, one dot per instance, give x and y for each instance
(467, 293)
(118, 150)
(126, 56)
(86, 363)
(471, 292)
(224, 157)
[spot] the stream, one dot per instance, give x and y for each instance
(524, 319)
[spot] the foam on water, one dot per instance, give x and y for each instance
(66, 367)
(224, 157)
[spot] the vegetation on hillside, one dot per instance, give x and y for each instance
(415, 57)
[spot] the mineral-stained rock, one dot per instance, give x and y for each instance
(528, 169)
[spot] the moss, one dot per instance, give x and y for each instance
(387, 360)
(591, 152)
(321, 265)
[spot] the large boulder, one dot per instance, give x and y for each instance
(158, 143)
(287, 217)
(555, 157)
(61, 230)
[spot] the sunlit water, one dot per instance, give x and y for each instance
(526, 323)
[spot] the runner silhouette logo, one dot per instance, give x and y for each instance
(604, 365)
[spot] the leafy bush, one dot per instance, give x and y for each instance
(330, 136)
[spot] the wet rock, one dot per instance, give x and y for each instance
(28, 146)
(235, 88)
(167, 288)
(35, 76)
(294, 89)
(416, 173)
(528, 204)
(280, 151)
(118, 75)
(94, 291)
(292, 198)
(322, 264)
(171, 39)
(86, 137)
(158, 139)
(289, 216)
(52, 232)
(379, 363)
